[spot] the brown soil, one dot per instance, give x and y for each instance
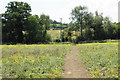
(74, 67)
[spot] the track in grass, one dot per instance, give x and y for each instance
(74, 67)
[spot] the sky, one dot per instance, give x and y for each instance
(57, 9)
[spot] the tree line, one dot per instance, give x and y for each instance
(20, 26)
(90, 26)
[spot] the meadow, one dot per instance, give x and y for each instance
(47, 60)
(33, 61)
(54, 34)
(101, 59)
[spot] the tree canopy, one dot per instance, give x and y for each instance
(14, 20)
(20, 26)
(78, 14)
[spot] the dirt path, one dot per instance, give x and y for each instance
(74, 67)
(0, 76)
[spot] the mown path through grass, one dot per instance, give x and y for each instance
(74, 67)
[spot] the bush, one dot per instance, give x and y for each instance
(48, 38)
(58, 39)
(88, 34)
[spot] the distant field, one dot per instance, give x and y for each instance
(59, 25)
(101, 59)
(54, 33)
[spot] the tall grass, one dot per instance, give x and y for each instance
(33, 61)
(101, 59)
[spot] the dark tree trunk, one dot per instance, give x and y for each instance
(20, 37)
(20, 33)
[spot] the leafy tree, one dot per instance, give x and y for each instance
(66, 35)
(55, 22)
(108, 28)
(118, 30)
(45, 21)
(0, 29)
(89, 19)
(33, 30)
(92, 26)
(88, 33)
(78, 14)
(14, 20)
(88, 29)
(97, 26)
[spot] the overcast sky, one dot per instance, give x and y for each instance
(57, 9)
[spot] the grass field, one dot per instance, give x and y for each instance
(47, 60)
(54, 33)
(33, 61)
(101, 59)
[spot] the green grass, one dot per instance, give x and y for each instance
(59, 25)
(101, 59)
(33, 61)
(47, 60)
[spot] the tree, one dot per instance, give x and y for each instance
(89, 19)
(33, 30)
(97, 26)
(66, 35)
(92, 26)
(45, 21)
(88, 29)
(108, 28)
(118, 30)
(14, 19)
(78, 14)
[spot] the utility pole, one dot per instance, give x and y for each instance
(61, 24)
